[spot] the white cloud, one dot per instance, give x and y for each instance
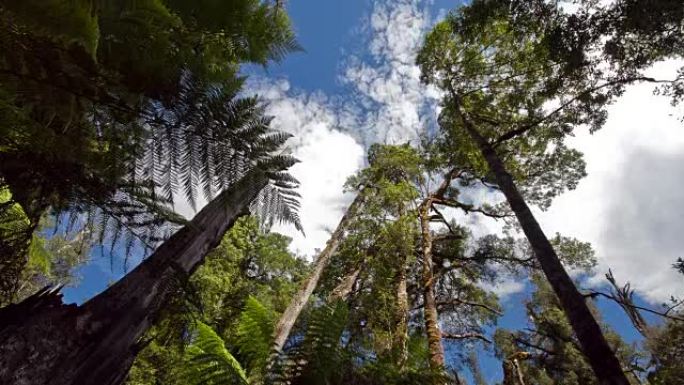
(506, 287)
(386, 80)
(327, 158)
(388, 105)
(630, 206)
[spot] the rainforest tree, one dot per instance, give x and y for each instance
(112, 108)
(129, 125)
(513, 89)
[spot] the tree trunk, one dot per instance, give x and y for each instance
(513, 374)
(434, 335)
(289, 317)
(400, 340)
(345, 287)
(594, 345)
(43, 341)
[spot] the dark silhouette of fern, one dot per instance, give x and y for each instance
(206, 140)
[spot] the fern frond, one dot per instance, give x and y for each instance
(209, 362)
(255, 334)
(318, 357)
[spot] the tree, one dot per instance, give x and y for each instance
(500, 67)
(289, 316)
(242, 286)
(95, 342)
(50, 257)
(111, 103)
(666, 350)
(547, 352)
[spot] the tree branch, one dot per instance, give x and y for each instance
(519, 131)
(595, 293)
(464, 336)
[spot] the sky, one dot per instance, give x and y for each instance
(356, 83)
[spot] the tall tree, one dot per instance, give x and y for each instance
(45, 341)
(250, 277)
(547, 351)
(512, 91)
(95, 343)
(290, 315)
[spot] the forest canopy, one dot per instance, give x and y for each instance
(117, 114)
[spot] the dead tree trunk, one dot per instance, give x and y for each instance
(289, 317)
(43, 341)
(594, 345)
(513, 374)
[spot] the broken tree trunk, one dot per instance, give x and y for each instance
(289, 317)
(43, 341)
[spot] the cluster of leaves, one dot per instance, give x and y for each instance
(111, 110)
(547, 352)
(49, 257)
(219, 326)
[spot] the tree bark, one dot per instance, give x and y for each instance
(43, 341)
(400, 340)
(434, 334)
(594, 345)
(289, 317)
(345, 287)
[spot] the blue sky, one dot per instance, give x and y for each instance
(355, 84)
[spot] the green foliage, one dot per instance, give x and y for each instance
(496, 64)
(667, 348)
(33, 259)
(255, 336)
(209, 362)
(239, 290)
(550, 350)
(73, 21)
(110, 108)
(258, 31)
(320, 357)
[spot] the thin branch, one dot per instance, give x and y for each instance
(595, 293)
(463, 336)
(469, 208)
(457, 301)
(443, 220)
(533, 346)
(519, 131)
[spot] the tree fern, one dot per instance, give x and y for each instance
(116, 137)
(209, 362)
(15, 235)
(255, 336)
(317, 356)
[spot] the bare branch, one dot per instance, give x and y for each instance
(464, 336)
(595, 293)
(457, 301)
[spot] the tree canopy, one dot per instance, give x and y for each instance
(115, 112)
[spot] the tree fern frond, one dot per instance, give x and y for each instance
(318, 357)
(255, 334)
(209, 362)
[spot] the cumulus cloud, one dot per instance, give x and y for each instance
(630, 204)
(327, 157)
(385, 80)
(388, 104)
